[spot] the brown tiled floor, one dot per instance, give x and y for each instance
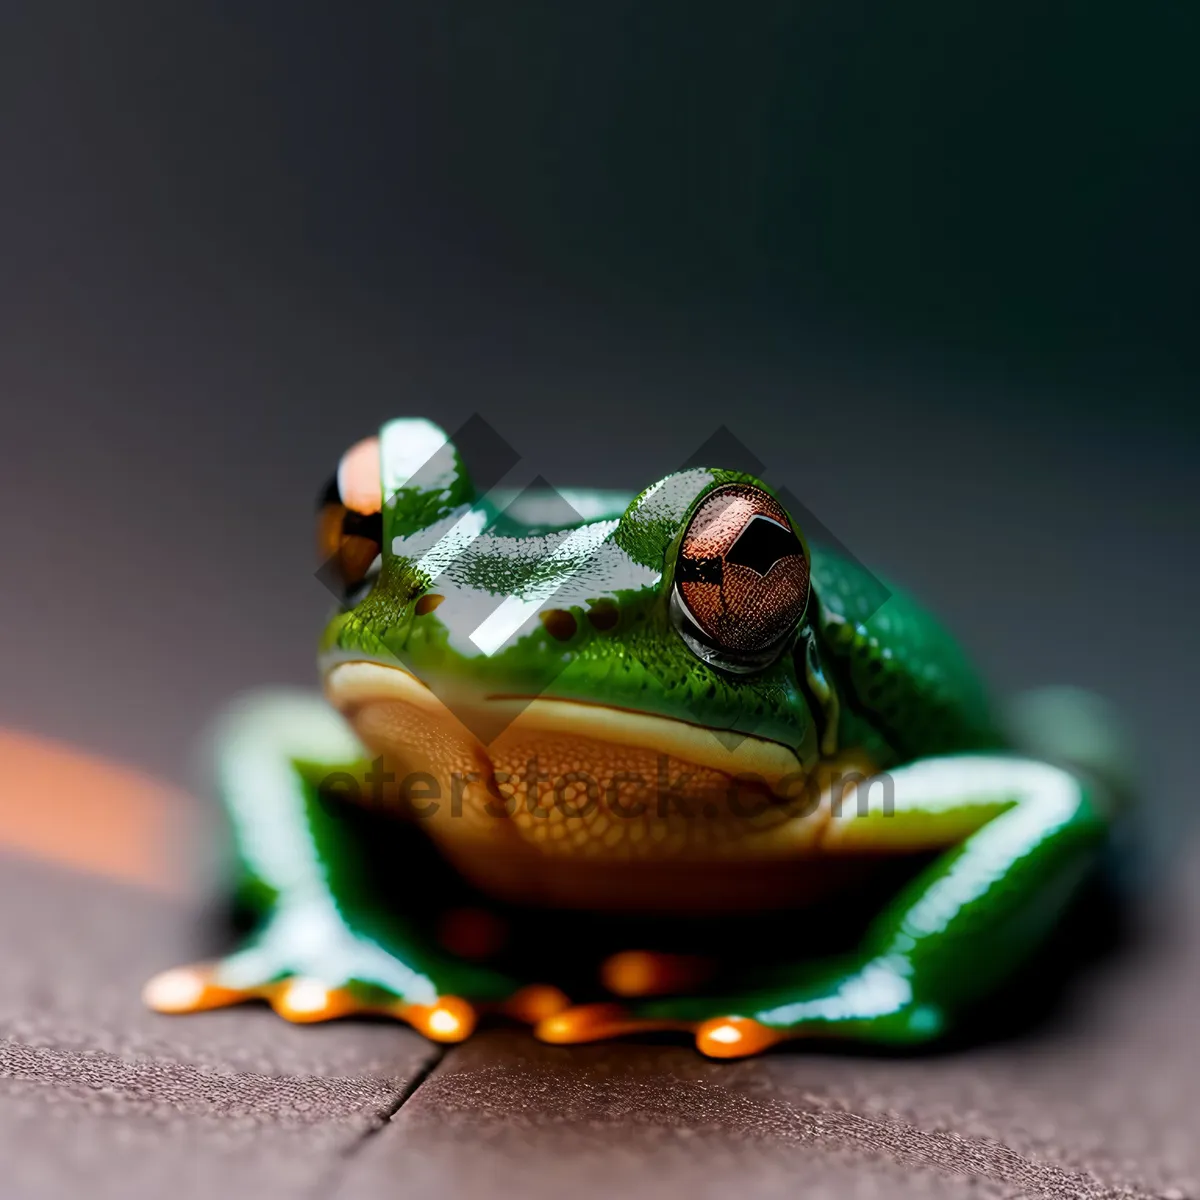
(99, 1097)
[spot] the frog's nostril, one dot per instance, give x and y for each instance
(427, 603)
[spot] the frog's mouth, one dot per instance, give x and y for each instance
(494, 720)
(513, 784)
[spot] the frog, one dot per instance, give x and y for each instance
(644, 711)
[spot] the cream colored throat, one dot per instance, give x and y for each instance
(580, 804)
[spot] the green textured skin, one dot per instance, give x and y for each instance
(905, 694)
(899, 672)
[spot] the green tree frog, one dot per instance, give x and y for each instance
(668, 712)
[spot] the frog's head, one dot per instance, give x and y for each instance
(581, 631)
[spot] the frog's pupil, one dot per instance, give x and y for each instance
(762, 544)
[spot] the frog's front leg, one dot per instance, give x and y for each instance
(323, 947)
(1024, 835)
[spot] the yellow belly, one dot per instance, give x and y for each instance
(582, 806)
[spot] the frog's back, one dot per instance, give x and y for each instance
(906, 686)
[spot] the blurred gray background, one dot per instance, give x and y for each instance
(938, 269)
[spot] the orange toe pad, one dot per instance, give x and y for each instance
(534, 1003)
(595, 1022)
(735, 1037)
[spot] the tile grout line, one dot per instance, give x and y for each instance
(326, 1185)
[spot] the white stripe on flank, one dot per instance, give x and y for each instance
(437, 559)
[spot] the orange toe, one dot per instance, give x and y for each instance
(595, 1022)
(535, 1002)
(306, 1001)
(188, 990)
(449, 1019)
(735, 1037)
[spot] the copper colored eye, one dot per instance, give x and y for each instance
(349, 520)
(743, 572)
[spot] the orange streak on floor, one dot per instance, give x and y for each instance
(63, 806)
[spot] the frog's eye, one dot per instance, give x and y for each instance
(742, 579)
(349, 515)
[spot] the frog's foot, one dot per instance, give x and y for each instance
(718, 1037)
(309, 966)
(304, 999)
(871, 1003)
